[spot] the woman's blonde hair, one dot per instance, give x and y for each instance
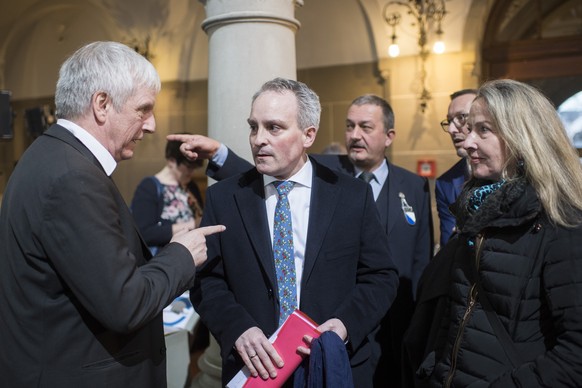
(536, 146)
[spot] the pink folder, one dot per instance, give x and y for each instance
(288, 338)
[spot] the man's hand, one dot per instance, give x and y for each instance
(258, 353)
(334, 325)
(195, 241)
(196, 146)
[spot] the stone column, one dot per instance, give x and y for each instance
(250, 42)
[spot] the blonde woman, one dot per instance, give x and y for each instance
(509, 286)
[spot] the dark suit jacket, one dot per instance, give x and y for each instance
(410, 245)
(348, 272)
(79, 304)
(447, 188)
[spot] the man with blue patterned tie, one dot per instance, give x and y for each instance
(343, 276)
(402, 199)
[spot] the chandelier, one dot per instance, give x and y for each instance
(428, 16)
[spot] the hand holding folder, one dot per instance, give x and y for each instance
(286, 340)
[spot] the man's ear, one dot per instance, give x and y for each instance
(309, 134)
(390, 135)
(100, 104)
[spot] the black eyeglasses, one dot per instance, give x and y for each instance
(459, 120)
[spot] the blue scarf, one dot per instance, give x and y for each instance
(477, 198)
(481, 193)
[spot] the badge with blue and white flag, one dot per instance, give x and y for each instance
(407, 210)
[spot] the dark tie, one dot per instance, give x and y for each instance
(283, 252)
(367, 176)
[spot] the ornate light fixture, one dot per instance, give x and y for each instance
(428, 15)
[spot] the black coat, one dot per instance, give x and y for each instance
(531, 274)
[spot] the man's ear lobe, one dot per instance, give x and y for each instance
(390, 135)
(309, 136)
(100, 104)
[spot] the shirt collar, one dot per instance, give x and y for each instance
(302, 177)
(103, 156)
(381, 173)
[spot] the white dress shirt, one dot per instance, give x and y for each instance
(299, 202)
(380, 176)
(103, 156)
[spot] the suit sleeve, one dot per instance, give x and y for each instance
(232, 166)
(446, 219)
(86, 234)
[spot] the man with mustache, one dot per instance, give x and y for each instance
(402, 199)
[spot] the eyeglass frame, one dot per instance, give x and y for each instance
(458, 120)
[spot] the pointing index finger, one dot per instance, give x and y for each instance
(208, 230)
(179, 137)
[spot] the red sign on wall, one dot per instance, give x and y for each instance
(426, 168)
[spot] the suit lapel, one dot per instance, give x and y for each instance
(251, 206)
(395, 184)
(324, 199)
(457, 186)
(63, 134)
(382, 204)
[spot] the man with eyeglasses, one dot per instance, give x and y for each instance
(448, 185)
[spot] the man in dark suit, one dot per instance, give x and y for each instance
(80, 295)
(342, 269)
(402, 198)
(448, 186)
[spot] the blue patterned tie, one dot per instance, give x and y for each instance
(283, 252)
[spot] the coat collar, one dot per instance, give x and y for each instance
(513, 204)
(394, 184)
(325, 195)
(61, 133)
